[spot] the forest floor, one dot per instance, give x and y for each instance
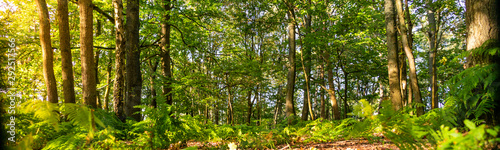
(341, 145)
(354, 144)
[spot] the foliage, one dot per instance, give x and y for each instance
(474, 92)
(235, 53)
(477, 137)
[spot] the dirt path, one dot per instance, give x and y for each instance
(337, 145)
(342, 145)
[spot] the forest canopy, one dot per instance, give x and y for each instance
(257, 74)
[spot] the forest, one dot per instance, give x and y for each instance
(249, 74)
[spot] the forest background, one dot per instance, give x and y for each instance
(158, 74)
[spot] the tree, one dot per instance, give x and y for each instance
(306, 64)
(108, 85)
(133, 65)
(48, 65)
(409, 56)
(322, 97)
(331, 86)
(482, 20)
(392, 56)
(165, 52)
(87, 53)
(65, 47)
(118, 86)
(432, 34)
(290, 110)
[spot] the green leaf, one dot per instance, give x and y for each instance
(492, 132)
(469, 124)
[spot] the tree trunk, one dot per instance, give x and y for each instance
(322, 96)
(133, 65)
(403, 76)
(108, 86)
(409, 55)
(96, 59)
(331, 87)
(165, 56)
(230, 114)
(250, 104)
(278, 105)
(119, 84)
(65, 47)
(87, 53)
(346, 84)
(259, 106)
(482, 19)
(216, 117)
(432, 53)
(290, 109)
(392, 56)
(48, 65)
(307, 107)
(152, 84)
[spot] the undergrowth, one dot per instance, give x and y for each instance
(460, 124)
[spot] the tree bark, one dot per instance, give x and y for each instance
(230, 114)
(402, 74)
(96, 59)
(165, 53)
(108, 86)
(346, 86)
(322, 96)
(290, 109)
(151, 82)
(48, 65)
(118, 87)
(482, 17)
(250, 104)
(409, 55)
(432, 53)
(87, 53)
(392, 56)
(307, 107)
(133, 65)
(331, 87)
(65, 47)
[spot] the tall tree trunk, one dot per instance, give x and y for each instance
(48, 65)
(482, 19)
(432, 54)
(250, 104)
(278, 105)
(409, 55)
(403, 76)
(321, 93)
(331, 86)
(96, 58)
(133, 65)
(230, 114)
(346, 84)
(87, 53)
(65, 47)
(259, 106)
(152, 83)
(165, 53)
(118, 87)
(290, 109)
(108, 85)
(392, 56)
(307, 107)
